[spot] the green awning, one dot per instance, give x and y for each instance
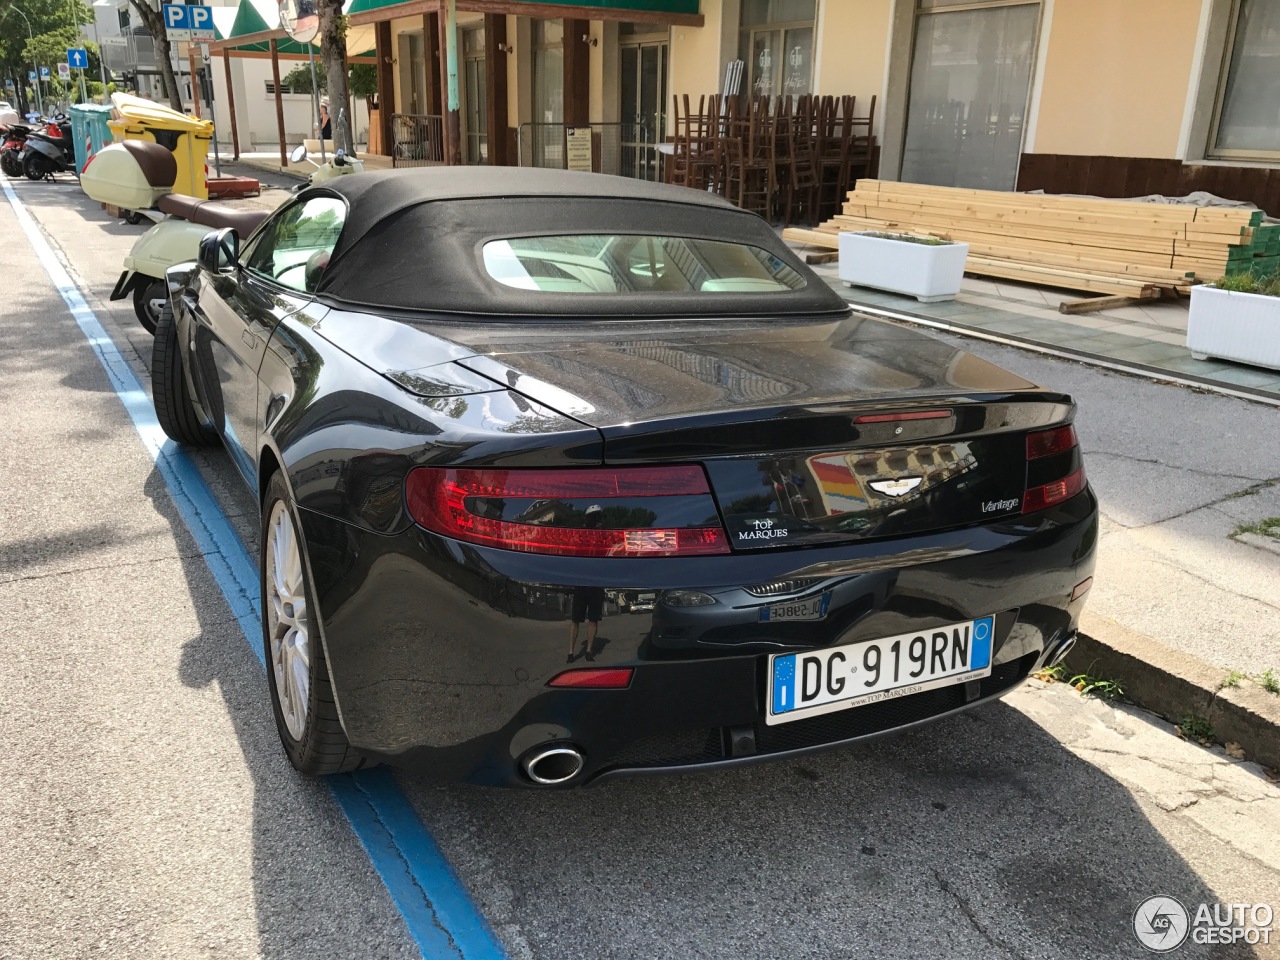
(685, 7)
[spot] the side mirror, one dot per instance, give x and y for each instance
(220, 250)
(299, 153)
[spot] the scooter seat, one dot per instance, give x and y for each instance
(210, 214)
(155, 161)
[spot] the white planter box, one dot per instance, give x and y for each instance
(1234, 326)
(925, 271)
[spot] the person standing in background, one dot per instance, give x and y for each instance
(326, 125)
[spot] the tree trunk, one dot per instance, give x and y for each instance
(333, 47)
(154, 23)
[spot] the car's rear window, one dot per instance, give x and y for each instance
(630, 263)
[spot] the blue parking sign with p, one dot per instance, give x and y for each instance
(31, 75)
(44, 73)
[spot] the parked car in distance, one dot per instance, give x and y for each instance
(483, 408)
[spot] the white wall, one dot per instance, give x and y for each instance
(256, 109)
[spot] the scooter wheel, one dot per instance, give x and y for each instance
(9, 164)
(132, 217)
(36, 166)
(148, 302)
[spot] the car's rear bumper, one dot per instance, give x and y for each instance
(441, 652)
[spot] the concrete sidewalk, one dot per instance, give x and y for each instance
(1149, 339)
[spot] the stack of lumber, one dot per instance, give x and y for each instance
(1116, 247)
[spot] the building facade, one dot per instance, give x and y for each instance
(1111, 97)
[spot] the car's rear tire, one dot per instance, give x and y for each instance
(144, 295)
(297, 672)
(174, 407)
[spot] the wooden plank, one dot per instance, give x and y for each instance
(1101, 205)
(830, 257)
(1028, 274)
(942, 212)
(1150, 231)
(1092, 304)
(1015, 202)
(1104, 247)
(815, 237)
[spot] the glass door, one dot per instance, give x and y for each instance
(644, 99)
(548, 94)
(971, 75)
(475, 113)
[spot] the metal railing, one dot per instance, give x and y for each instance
(417, 140)
(622, 149)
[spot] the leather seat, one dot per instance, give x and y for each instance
(211, 214)
(155, 162)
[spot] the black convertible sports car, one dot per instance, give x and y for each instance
(565, 476)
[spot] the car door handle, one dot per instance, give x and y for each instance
(249, 340)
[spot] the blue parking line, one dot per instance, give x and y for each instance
(439, 915)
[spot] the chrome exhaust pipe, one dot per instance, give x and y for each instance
(1063, 649)
(553, 765)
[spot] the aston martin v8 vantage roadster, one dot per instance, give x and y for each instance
(565, 477)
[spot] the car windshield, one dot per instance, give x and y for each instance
(622, 263)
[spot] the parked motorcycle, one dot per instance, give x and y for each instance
(50, 151)
(138, 175)
(339, 166)
(13, 140)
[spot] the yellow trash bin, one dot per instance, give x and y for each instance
(187, 137)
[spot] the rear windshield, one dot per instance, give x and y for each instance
(622, 263)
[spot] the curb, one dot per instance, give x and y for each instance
(1173, 684)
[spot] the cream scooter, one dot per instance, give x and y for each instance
(138, 175)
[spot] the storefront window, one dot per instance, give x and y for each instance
(548, 93)
(1249, 110)
(475, 93)
(777, 45)
(971, 75)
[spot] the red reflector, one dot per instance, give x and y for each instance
(615, 678)
(893, 417)
(437, 498)
(1081, 589)
(1048, 442)
(1039, 498)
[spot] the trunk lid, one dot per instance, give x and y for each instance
(810, 433)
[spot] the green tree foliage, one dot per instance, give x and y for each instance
(53, 25)
(362, 77)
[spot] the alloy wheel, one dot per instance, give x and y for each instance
(288, 628)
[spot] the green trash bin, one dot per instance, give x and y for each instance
(89, 131)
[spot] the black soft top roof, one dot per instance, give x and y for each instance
(413, 240)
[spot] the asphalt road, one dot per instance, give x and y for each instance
(146, 810)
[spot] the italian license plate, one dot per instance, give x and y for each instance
(807, 684)
(812, 608)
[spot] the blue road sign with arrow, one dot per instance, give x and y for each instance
(78, 57)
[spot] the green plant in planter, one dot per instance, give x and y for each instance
(1268, 285)
(909, 238)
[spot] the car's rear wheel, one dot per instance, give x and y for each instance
(301, 694)
(148, 302)
(174, 407)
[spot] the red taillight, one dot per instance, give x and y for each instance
(894, 417)
(1048, 442)
(442, 500)
(1038, 498)
(607, 678)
